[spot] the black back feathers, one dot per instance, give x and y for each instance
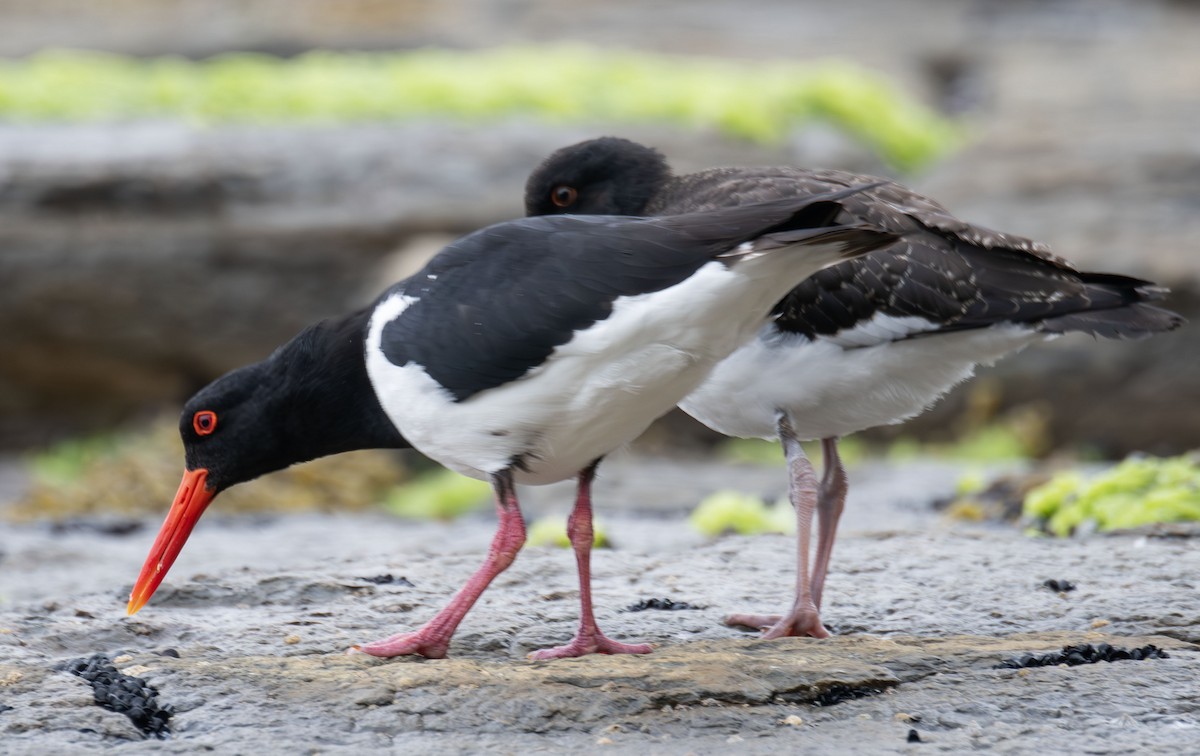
(495, 304)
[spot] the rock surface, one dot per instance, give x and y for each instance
(250, 653)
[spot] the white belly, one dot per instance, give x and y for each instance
(829, 390)
(596, 392)
(549, 435)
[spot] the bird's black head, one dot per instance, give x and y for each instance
(232, 427)
(309, 399)
(606, 176)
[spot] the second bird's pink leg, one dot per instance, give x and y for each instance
(803, 618)
(830, 503)
(588, 639)
(433, 639)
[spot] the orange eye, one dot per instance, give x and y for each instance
(204, 422)
(563, 195)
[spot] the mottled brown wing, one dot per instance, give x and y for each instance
(890, 206)
(948, 272)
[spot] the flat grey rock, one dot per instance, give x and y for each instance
(261, 613)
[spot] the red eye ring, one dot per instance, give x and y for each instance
(563, 195)
(204, 422)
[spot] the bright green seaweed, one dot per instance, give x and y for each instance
(756, 100)
(1139, 491)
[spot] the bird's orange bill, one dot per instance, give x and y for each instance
(191, 500)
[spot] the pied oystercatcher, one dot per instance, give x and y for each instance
(522, 353)
(869, 342)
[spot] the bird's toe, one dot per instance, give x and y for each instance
(418, 643)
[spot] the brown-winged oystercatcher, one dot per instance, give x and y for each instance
(522, 353)
(869, 342)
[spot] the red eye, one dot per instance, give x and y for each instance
(204, 422)
(563, 195)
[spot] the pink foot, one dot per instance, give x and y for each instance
(432, 640)
(421, 643)
(797, 624)
(591, 643)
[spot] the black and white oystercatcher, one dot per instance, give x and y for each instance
(522, 353)
(869, 342)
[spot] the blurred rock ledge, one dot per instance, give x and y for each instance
(142, 260)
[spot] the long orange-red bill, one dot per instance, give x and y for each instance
(191, 500)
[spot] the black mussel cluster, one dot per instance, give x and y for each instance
(659, 603)
(130, 696)
(1073, 656)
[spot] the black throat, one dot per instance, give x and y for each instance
(326, 382)
(311, 398)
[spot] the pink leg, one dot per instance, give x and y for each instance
(433, 639)
(830, 504)
(803, 618)
(588, 639)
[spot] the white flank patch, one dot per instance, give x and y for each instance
(829, 390)
(881, 329)
(603, 387)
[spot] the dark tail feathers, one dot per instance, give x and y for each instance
(1118, 310)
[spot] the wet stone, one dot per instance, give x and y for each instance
(955, 720)
(375, 696)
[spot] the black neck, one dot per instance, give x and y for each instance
(309, 399)
(335, 406)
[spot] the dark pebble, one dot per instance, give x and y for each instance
(657, 603)
(169, 652)
(838, 692)
(1059, 586)
(914, 736)
(388, 579)
(4, 708)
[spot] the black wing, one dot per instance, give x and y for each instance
(495, 304)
